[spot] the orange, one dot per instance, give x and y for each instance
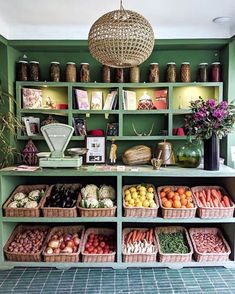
(170, 194)
(184, 202)
(181, 190)
(182, 196)
(162, 194)
(188, 193)
(177, 194)
(166, 189)
(176, 204)
(176, 197)
(164, 199)
(190, 205)
(167, 204)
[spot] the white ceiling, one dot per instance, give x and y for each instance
(71, 19)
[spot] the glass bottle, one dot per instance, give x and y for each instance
(71, 72)
(55, 71)
(85, 73)
(185, 72)
(154, 73)
(106, 74)
(203, 72)
(22, 70)
(171, 72)
(119, 75)
(34, 71)
(189, 155)
(216, 72)
(135, 74)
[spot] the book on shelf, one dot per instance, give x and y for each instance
(111, 101)
(82, 99)
(129, 102)
(96, 100)
(32, 98)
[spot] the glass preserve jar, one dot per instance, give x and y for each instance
(22, 70)
(106, 74)
(203, 72)
(171, 72)
(185, 72)
(135, 74)
(216, 72)
(119, 75)
(55, 71)
(189, 155)
(85, 73)
(71, 72)
(154, 73)
(34, 71)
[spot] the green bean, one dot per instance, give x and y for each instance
(173, 243)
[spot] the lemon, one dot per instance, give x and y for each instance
(138, 187)
(142, 188)
(152, 204)
(128, 198)
(130, 205)
(132, 189)
(127, 192)
(131, 201)
(145, 203)
(134, 196)
(149, 196)
(150, 189)
(138, 204)
(127, 204)
(142, 198)
(142, 193)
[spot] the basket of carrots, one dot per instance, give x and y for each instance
(213, 202)
(139, 245)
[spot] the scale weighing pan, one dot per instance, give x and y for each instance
(57, 137)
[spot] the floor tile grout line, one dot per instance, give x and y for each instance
(45, 281)
(19, 279)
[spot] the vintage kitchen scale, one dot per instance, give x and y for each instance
(57, 137)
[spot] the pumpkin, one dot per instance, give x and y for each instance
(136, 155)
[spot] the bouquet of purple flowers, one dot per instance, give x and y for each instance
(209, 117)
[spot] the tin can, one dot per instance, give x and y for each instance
(34, 71)
(55, 71)
(203, 72)
(171, 72)
(71, 72)
(22, 70)
(85, 73)
(216, 72)
(185, 72)
(154, 73)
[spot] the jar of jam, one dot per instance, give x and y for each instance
(216, 72)
(185, 72)
(71, 72)
(34, 71)
(55, 71)
(135, 74)
(22, 70)
(119, 75)
(85, 73)
(203, 72)
(154, 73)
(106, 74)
(171, 72)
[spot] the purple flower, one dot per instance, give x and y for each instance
(223, 105)
(199, 115)
(211, 103)
(219, 114)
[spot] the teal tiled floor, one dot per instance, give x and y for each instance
(109, 281)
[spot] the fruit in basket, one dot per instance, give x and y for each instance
(210, 197)
(99, 244)
(140, 196)
(178, 198)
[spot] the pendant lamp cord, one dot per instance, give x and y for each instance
(121, 5)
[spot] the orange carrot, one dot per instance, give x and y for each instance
(211, 203)
(134, 236)
(147, 236)
(208, 195)
(216, 202)
(220, 194)
(197, 194)
(129, 237)
(151, 236)
(226, 201)
(203, 200)
(208, 204)
(222, 202)
(204, 193)
(215, 194)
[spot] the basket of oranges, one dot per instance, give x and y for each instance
(140, 200)
(176, 202)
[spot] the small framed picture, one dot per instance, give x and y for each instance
(32, 125)
(96, 146)
(112, 129)
(79, 126)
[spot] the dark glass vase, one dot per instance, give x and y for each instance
(211, 153)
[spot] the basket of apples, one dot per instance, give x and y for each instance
(63, 244)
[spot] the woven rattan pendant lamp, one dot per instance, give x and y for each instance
(121, 38)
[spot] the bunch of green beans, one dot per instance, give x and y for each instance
(173, 243)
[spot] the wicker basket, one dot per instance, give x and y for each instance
(12, 256)
(64, 257)
(138, 257)
(140, 211)
(176, 212)
(24, 212)
(200, 257)
(96, 212)
(98, 257)
(174, 257)
(59, 211)
(214, 212)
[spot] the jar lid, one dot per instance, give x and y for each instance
(154, 63)
(171, 63)
(85, 63)
(185, 63)
(55, 62)
(34, 62)
(22, 61)
(70, 63)
(203, 63)
(216, 63)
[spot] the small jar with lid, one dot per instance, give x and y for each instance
(85, 73)
(154, 73)
(203, 72)
(171, 72)
(55, 71)
(106, 74)
(216, 72)
(71, 72)
(34, 71)
(135, 74)
(119, 75)
(185, 73)
(22, 70)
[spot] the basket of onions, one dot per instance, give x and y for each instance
(63, 244)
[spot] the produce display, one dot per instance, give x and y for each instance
(176, 198)
(62, 196)
(212, 198)
(139, 241)
(140, 196)
(209, 243)
(94, 197)
(28, 241)
(173, 243)
(63, 243)
(99, 244)
(23, 200)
